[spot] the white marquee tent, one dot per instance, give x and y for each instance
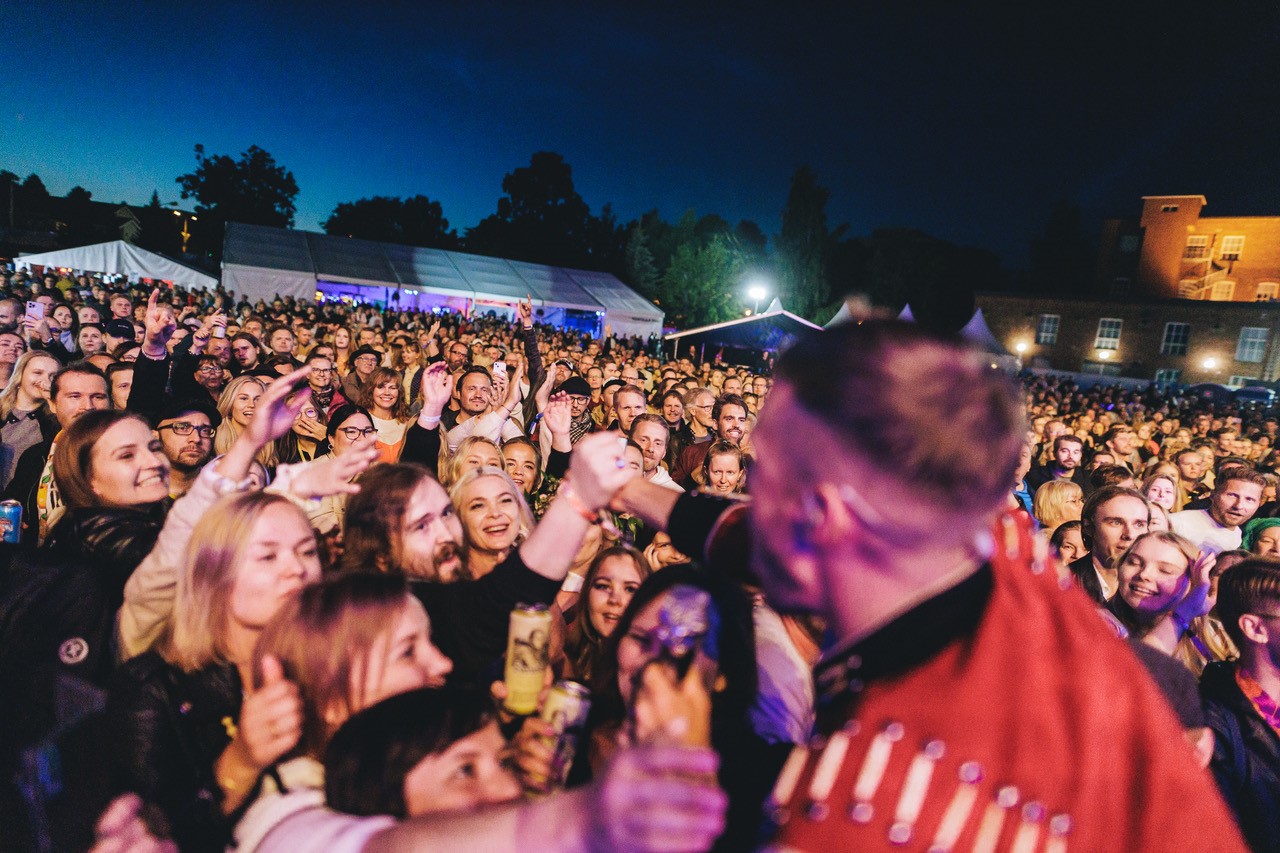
(120, 258)
(260, 262)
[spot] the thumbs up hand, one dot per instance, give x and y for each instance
(271, 716)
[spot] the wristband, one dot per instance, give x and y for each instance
(1182, 624)
(578, 506)
(572, 583)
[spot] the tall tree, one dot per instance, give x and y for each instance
(33, 204)
(640, 270)
(542, 218)
(803, 244)
(1061, 254)
(700, 286)
(414, 221)
(9, 197)
(253, 189)
(77, 218)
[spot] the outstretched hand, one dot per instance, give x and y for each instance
(1195, 602)
(275, 412)
(160, 324)
(437, 387)
(332, 475)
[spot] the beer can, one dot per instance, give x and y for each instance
(528, 656)
(10, 522)
(565, 709)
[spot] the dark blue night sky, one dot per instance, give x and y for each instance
(967, 125)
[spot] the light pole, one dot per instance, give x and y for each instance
(184, 219)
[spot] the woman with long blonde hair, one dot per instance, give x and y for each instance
(236, 405)
(25, 416)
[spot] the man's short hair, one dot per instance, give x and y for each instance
(1067, 438)
(81, 367)
(926, 410)
(1109, 475)
(1111, 433)
(629, 389)
(1239, 474)
(1097, 499)
(118, 367)
(1250, 586)
(475, 368)
(648, 418)
(728, 400)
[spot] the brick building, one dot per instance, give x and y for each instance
(1173, 252)
(1167, 340)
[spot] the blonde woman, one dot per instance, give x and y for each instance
(473, 452)
(494, 514)
(25, 416)
(1057, 502)
(236, 405)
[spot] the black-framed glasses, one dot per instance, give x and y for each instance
(355, 433)
(184, 428)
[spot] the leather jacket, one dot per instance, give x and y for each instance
(167, 729)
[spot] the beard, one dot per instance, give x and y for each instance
(443, 565)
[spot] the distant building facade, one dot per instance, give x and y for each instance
(1173, 252)
(1164, 340)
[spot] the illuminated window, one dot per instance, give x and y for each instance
(1169, 208)
(1267, 291)
(1176, 336)
(1241, 381)
(1197, 246)
(1189, 288)
(1047, 329)
(1223, 291)
(1231, 248)
(1252, 344)
(1108, 333)
(1168, 376)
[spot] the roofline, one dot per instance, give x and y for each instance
(753, 318)
(1203, 200)
(1152, 302)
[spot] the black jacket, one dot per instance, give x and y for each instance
(58, 612)
(1087, 578)
(1246, 757)
(167, 728)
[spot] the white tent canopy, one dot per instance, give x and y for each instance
(120, 258)
(260, 262)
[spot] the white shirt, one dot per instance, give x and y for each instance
(661, 477)
(1205, 533)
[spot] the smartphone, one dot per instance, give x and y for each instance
(500, 367)
(35, 309)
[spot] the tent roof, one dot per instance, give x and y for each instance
(345, 259)
(767, 330)
(977, 332)
(118, 257)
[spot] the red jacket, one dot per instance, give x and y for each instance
(1002, 715)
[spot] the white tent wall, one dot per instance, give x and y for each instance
(254, 283)
(630, 326)
(120, 258)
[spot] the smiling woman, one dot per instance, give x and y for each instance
(494, 514)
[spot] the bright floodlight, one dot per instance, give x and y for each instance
(1210, 363)
(1021, 347)
(756, 292)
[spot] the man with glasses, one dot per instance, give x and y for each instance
(364, 360)
(185, 429)
(324, 393)
(1241, 700)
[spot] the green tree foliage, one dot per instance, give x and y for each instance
(413, 221)
(803, 245)
(702, 282)
(253, 189)
(640, 269)
(76, 220)
(542, 219)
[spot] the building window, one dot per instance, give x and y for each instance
(1130, 243)
(1197, 247)
(1168, 376)
(1223, 291)
(1176, 336)
(1108, 333)
(1120, 286)
(1047, 329)
(1241, 381)
(1267, 291)
(1100, 368)
(1231, 248)
(1169, 208)
(1189, 288)
(1252, 344)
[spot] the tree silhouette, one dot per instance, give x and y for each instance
(413, 221)
(253, 189)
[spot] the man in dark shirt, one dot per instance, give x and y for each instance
(1068, 453)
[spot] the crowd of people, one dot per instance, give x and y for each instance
(261, 562)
